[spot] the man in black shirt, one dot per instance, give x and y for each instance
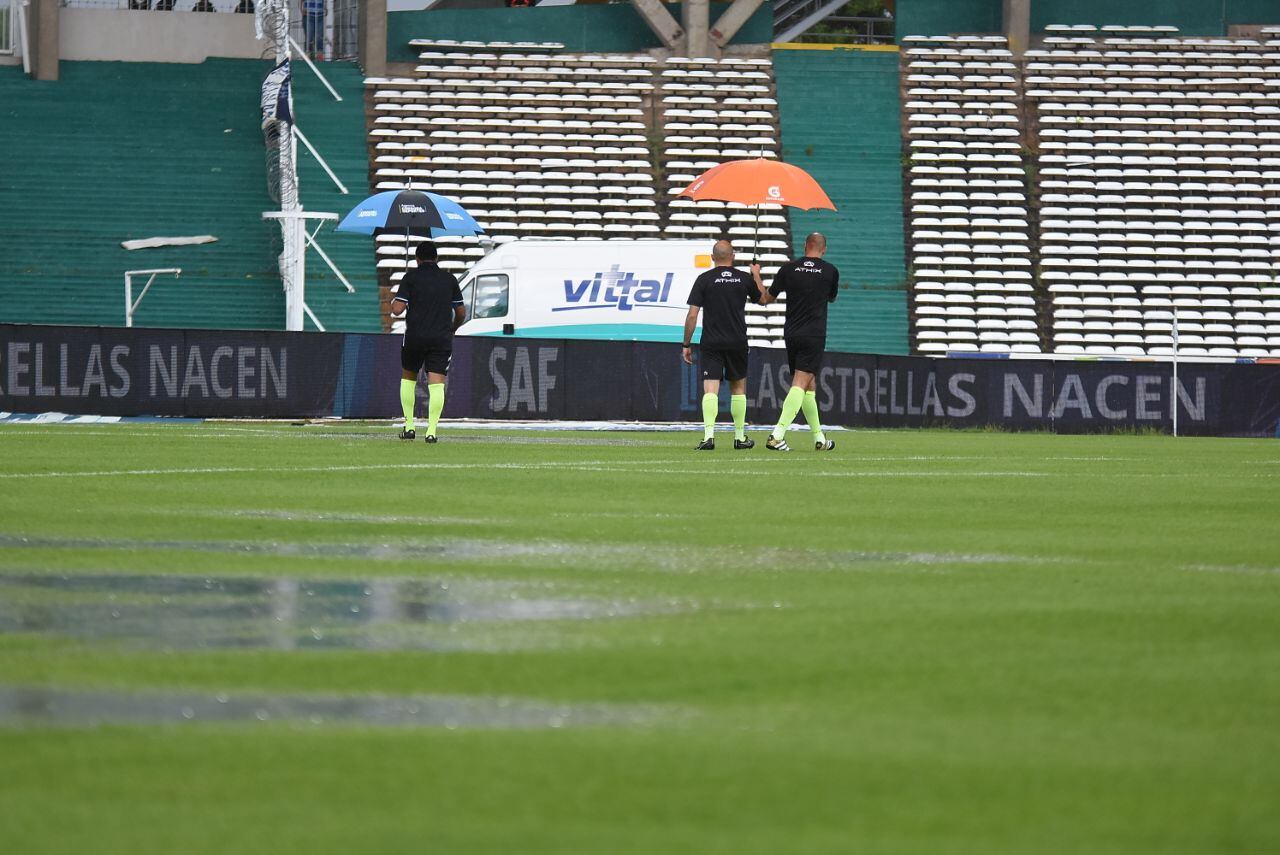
(435, 311)
(722, 293)
(810, 284)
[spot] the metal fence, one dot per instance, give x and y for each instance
(8, 26)
(325, 29)
(847, 30)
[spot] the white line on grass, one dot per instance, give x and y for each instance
(220, 470)
(628, 466)
(1245, 569)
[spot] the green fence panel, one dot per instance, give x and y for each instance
(115, 151)
(840, 122)
(337, 130)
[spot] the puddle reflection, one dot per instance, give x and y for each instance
(184, 612)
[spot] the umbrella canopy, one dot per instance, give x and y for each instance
(759, 181)
(410, 211)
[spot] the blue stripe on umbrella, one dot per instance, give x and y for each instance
(443, 217)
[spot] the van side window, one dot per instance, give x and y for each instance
(491, 293)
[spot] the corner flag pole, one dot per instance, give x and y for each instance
(1173, 393)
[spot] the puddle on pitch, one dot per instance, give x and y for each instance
(186, 612)
(51, 707)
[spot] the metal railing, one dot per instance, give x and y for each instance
(860, 31)
(326, 29)
(8, 26)
(819, 20)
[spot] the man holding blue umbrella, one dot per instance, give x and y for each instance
(429, 293)
(434, 312)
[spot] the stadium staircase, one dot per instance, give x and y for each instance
(115, 151)
(839, 112)
(337, 130)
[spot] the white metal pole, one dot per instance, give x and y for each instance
(298, 132)
(1174, 391)
(311, 240)
(302, 53)
(314, 319)
(298, 251)
(24, 39)
(128, 299)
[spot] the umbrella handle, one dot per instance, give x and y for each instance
(755, 250)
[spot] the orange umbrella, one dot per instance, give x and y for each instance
(759, 181)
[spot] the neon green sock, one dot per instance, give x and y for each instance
(738, 406)
(435, 406)
(407, 390)
(810, 409)
(791, 406)
(710, 404)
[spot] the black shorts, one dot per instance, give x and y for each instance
(804, 353)
(729, 363)
(433, 354)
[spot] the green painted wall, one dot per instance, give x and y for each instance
(1192, 17)
(839, 112)
(115, 151)
(597, 28)
(1253, 12)
(940, 17)
(337, 130)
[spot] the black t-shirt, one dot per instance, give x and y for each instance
(432, 294)
(722, 292)
(810, 284)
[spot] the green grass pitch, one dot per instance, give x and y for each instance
(925, 642)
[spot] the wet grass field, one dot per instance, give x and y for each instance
(268, 638)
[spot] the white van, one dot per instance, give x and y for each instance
(584, 289)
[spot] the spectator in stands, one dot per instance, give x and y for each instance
(427, 292)
(810, 284)
(140, 4)
(164, 5)
(313, 27)
(722, 294)
(245, 7)
(203, 6)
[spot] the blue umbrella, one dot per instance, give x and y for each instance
(426, 214)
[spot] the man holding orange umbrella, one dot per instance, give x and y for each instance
(810, 285)
(810, 282)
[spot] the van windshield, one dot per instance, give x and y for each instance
(486, 296)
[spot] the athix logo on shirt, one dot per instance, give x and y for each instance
(614, 289)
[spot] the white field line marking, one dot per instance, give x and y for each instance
(1245, 569)
(219, 470)
(633, 467)
(809, 473)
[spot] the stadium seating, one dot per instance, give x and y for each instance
(1114, 178)
(970, 236)
(1159, 165)
(536, 142)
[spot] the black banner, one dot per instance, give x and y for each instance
(216, 373)
(201, 373)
